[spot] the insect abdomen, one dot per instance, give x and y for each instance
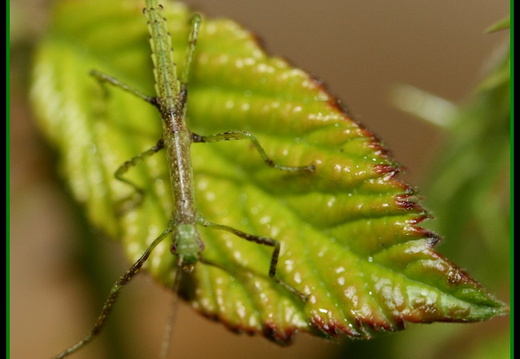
(167, 86)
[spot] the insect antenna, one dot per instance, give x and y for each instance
(168, 330)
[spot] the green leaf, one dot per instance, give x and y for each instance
(349, 232)
(503, 24)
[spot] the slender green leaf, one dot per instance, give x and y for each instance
(349, 232)
(503, 24)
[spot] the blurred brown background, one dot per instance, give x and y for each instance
(359, 48)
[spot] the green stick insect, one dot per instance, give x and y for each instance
(171, 99)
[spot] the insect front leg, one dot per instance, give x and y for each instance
(114, 293)
(244, 135)
(266, 241)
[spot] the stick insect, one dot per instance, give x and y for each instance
(171, 100)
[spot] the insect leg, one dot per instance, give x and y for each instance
(131, 163)
(192, 41)
(128, 202)
(244, 135)
(266, 241)
(256, 239)
(102, 78)
(114, 293)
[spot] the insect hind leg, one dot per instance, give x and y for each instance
(196, 22)
(128, 202)
(104, 78)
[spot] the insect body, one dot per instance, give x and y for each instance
(177, 138)
(171, 100)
